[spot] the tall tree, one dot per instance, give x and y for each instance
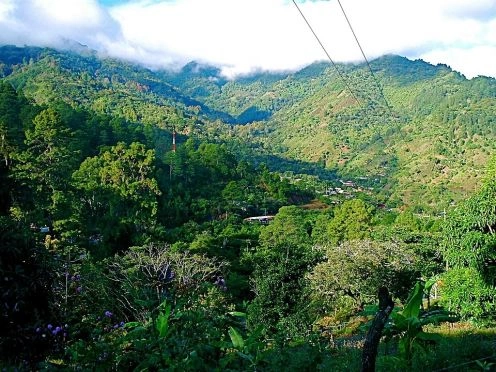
(469, 249)
(118, 192)
(11, 135)
(351, 221)
(44, 167)
(10, 125)
(280, 265)
(353, 272)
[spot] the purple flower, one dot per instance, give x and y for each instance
(38, 330)
(58, 329)
(49, 326)
(167, 275)
(108, 314)
(122, 324)
(221, 283)
(79, 289)
(116, 326)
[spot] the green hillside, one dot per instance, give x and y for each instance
(431, 145)
(427, 145)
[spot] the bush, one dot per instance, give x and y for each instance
(465, 291)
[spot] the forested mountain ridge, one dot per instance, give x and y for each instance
(429, 140)
(103, 85)
(431, 144)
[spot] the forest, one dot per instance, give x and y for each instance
(125, 236)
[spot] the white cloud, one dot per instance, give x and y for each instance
(473, 61)
(52, 22)
(243, 35)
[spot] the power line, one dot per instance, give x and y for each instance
(327, 54)
(366, 60)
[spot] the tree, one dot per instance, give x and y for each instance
(280, 265)
(145, 276)
(287, 228)
(118, 192)
(46, 164)
(407, 220)
(470, 229)
(319, 231)
(469, 250)
(351, 221)
(10, 124)
(11, 137)
(218, 159)
(466, 291)
(354, 271)
(235, 195)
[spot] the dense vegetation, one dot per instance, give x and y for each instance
(427, 147)
(120, 252)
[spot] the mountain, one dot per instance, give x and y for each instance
(414, 132)
(430, 138)
(104, 85)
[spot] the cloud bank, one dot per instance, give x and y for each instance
(245, 35)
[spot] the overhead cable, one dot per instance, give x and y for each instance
(366, 60)
(341, 76)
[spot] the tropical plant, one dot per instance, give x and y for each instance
(407, 324)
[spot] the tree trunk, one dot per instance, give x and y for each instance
(374, 334)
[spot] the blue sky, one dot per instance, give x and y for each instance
(241, 36)
(111, 2)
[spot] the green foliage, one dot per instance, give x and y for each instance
(408, 220)
(351, 221)
(280, 265)
(465, 291)
(162, 322)
(10, 123)
(408, 324)
(287, 228)
(429, 151)
(87, 156)
(167, 296)
(117, 189)
(45, 165)
(469, 251)
(248, 352)
(425, 245)
(469, 230)
(145, 276)
(352, 273)
(11, 140)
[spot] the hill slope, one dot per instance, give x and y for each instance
(427, 142)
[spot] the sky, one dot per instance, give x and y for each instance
(243, 36)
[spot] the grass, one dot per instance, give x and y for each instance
(461, 346)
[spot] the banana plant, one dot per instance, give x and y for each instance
(162, 321)
(247, 348)
(407, 324)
